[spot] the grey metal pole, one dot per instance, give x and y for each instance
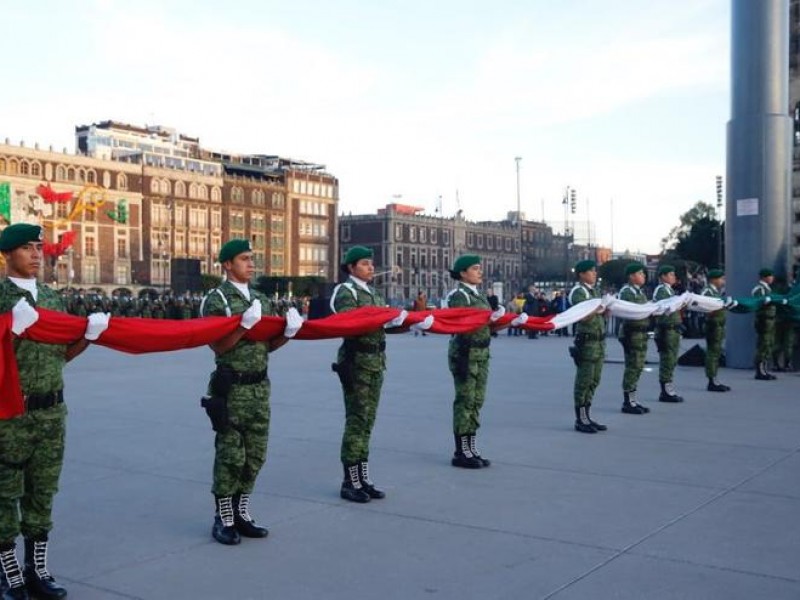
(757, 231)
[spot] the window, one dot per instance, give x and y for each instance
(489, 242)
(237, 195)
(398, 232)
(122, 247)
(412, 233)
(237, 220)
(216, 194)
(61, 173)
(3, 166)
(70, 174)
(180, 189)
(480, 241)
(345, 233)
(216, 219)
(423, 235)
(89, 247)
(164, 187)
(180, 216)
(278, 200)
(121, 275)
(13, 167)
(180, 243)
(446, 238)
(106, 179)
(202, 192)
(36, 169)
(433, 236)
(90, 273)
(91, 176)
(62, 210)
(470, 240)
(154, 188)
(122, 182)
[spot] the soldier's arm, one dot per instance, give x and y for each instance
(345, 300)
(268, 310)
(215, 307)
(457, 300)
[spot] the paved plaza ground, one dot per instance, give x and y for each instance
(699, 500)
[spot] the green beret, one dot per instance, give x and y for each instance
(19, 234)
(355, 254)
(463, 263)
(585, 265)
(716, 273)
(665, 269)
(766, 272)
(634, 267)
(232, 249)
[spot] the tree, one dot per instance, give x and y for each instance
(612, 272)
(697, 237)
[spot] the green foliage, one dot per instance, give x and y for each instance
(697, 237)
(612, 272)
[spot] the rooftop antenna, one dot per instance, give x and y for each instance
(438, 209)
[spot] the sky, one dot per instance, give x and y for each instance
(416, 102)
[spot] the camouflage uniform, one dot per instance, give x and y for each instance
(590, 345)
(634, 341)
(32, 444)
(785, 337)
(241, 448)
(360, 362)
(765, 325)
(468, 359)
(668, 336)
(715, 334)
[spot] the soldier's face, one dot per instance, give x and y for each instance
(769, 279)
(473, 275)
(718, 283)
(669, 278)
(24, 262)
(589, 277)
(240, 268)
(638, 278)
(364, 269)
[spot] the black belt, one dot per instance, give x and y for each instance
(589, 337)
(248, 377)
(355, 346)
(632, 328)
(467, 343)
(41, 401)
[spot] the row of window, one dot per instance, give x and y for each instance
(257, 197)
(417, 233)
(81, 175)
(309, 228)
(498, 243)
(313, 253)
(197, 191)
(312, 188)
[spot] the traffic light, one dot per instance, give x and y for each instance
(573, 201)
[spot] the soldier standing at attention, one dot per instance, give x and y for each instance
(590, 348)
(634, 340)
(765, 325)
(238, 399)
(715, 331)
(668, 336)
(360, 364)
(32, 444)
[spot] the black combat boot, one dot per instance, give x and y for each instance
(629, 405)
(224, 530)
(592, 422)
(13, 580)
(38, 580)
(473, 447)
(463, 456)
(351, 486)
(582, 422)
(668, 393)
(367, 484)
(716, 386)
(761, 372)
(244, 523)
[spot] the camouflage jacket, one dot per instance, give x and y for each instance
(40, 366)
(762, 290)
(245, 355)
(662, 292)
(596, 324)
(636, 295)
(463, 297)
(717, 316)
(350, 296)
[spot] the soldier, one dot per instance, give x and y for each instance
(468, 359)
(32, 444)
(668, 336)
(633, 337)
(715, 331)
(238, 396)
(765, 325)
(360, 364)
(589, 349)
(785, 335)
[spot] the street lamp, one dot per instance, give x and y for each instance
(517, 160)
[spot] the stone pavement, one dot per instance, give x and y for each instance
(696, 500)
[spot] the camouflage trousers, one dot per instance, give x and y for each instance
(715, 334)
(785, 337)
(765, 331)
(668, 342)
(31, 455)
(635, 347)
(470, 395)
(360, 408)
(240, 450)
(590, 368)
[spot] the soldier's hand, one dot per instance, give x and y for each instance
(520, 320)
(252, 315)
(424, 325)
(501, 310)
(23, 315)
(398, 320)
(767, 300)
(97, 324)
(293, 323)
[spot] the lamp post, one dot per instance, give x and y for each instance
(719, 221)
(517, 160)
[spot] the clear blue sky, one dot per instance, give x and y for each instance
(622, 99)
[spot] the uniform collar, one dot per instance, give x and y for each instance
(361, 283)
(765, 284)
(470, 287)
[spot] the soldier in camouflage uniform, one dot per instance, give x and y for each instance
(32, 444)
(360, 364)
(590, 348)
(715, 331)
(468, 359)
(785, 334)
(765, 325)
(238, 396)
(668, 336)
(633, 336)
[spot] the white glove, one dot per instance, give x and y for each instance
(252, 315)
(293, 323)
(730, 303)
(520, 320)
(501, 310)
(767, 300)
(98, 323)
(424, 325)
(397, 321)
(23, 315)
(785, 301)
